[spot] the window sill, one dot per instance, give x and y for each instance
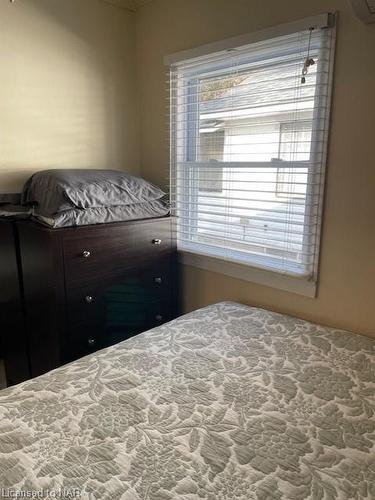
(271, 279)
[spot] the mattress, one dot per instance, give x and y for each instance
(228, 402)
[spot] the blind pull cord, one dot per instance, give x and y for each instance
(309, 61)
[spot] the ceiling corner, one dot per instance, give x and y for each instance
(123, 4)
(131, 5)
(139, 3)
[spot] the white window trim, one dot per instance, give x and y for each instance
(245, 272)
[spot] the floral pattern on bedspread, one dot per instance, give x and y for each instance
(228, 402)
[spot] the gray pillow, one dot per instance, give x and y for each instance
(54, 191)
(105, 215)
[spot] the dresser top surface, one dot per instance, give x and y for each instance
(93, 227)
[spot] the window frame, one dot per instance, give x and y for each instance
(250, 271)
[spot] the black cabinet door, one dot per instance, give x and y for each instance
(13, 341)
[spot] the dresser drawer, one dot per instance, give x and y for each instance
(117, 323)
(91, 299)
(109, 252)
(83, 341)
(134, 317)
(108, 309)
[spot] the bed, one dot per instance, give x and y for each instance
(227, 402)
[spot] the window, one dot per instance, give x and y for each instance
(248, 143)
(211, 148)
(294, 138)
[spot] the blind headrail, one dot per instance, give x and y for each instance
(326, 20)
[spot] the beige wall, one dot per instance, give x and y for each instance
(68, 99)
(346, 296)
(67, 88)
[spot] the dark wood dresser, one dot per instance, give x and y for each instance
(89, 287)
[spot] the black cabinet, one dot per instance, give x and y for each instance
(89, 287)
(14, 346)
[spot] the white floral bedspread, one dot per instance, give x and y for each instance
(228, 402)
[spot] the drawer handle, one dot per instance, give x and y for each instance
(86, 254)
(158, 280)
(156, 241)
(159, 317)
(89, 299)
(91, 341)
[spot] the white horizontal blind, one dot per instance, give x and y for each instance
(248, 142)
